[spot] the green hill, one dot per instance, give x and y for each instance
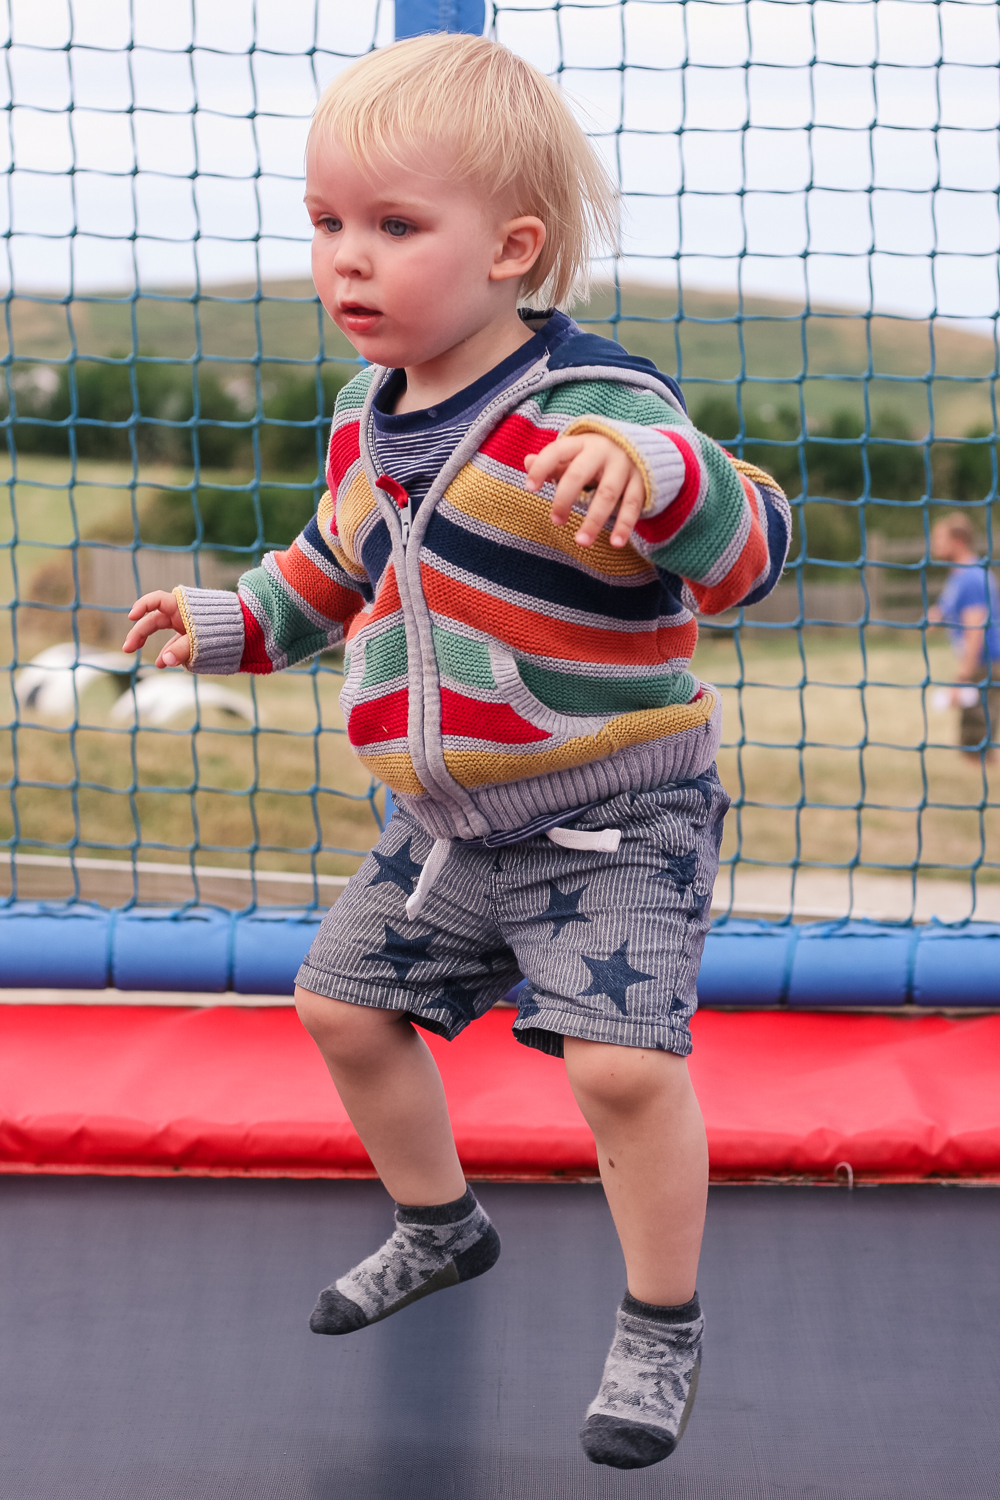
(908, 364)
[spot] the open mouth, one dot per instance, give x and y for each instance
(358, 318)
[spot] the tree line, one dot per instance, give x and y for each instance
(275, 425)
(160, 411)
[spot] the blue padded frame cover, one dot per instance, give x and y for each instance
(754, 965)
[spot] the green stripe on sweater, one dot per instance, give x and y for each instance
(352, 396)
(702, 541)
(385, 656)
(606, 398)
(603, 695)
(466, 661)
(293, 632)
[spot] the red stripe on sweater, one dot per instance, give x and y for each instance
(486, 721)
(530, 630)
(514, 439)
(382, 719)
(659, 529)
(255, 657)
(345, 449)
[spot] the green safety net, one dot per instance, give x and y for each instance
(809, 242)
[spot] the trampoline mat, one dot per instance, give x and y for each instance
(155, 1345)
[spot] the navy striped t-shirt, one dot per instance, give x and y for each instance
(413, 447)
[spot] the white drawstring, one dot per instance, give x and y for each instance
(605, 842)
(435, 863)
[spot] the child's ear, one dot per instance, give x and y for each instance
(521, 242)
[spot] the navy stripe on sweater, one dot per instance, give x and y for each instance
(544, 579)
(312, 534)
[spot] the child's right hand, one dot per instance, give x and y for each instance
(155, 612)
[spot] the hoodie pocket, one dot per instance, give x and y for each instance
(354, 676)
(524, 703)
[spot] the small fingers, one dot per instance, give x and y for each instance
(155, 611)
(583, 474)
(607, 496)
(629, 511)
(156, 600)
(552, 460)
(590, 463)
(175, 653)
(146, 627)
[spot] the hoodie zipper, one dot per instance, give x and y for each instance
(404, 504)
(501, 405)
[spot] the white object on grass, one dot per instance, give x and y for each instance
(968, 697)
(168, 695)
(54, 681)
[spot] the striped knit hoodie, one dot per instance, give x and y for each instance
(496, 673)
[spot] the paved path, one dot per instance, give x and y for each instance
(820, 894)
(763, 891)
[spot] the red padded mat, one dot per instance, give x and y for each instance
(236, 1091)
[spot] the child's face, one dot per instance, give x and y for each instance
(401, 259)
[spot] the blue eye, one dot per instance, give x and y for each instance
(397, 228)
(330, 225)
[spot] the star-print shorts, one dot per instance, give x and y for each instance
(609, 944)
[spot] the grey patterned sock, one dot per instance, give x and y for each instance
(430, 1248)
(650, 1378)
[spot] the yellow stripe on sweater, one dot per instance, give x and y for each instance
(520, 513)
(396, 771)
(479, 768)
(755, 475)
(352, 509)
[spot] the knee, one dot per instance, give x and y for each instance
(623, 1079)
(346, 1032)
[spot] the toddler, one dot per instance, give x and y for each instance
(520, 523)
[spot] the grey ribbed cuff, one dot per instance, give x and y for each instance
(666, 472)
(214, 621)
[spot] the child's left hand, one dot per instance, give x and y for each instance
(590, 462)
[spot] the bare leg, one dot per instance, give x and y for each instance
(653, 1158)
(392, 1090)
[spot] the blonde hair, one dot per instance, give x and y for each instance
(511, 131)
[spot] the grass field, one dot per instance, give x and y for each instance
(838, 756)
(819, 768)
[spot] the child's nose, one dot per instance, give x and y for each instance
(351, 257)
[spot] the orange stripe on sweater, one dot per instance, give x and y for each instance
(387, 602)
(326, 596)
(529, 630)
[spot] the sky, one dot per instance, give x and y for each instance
(845, 149)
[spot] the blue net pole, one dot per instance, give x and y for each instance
(810, 241)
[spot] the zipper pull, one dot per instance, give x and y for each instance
(396, 492)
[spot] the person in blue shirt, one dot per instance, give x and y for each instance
(969, 605)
